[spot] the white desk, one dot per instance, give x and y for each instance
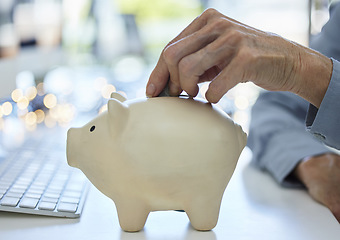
(253, 207)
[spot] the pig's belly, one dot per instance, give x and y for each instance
(172, 198)
(175, 189)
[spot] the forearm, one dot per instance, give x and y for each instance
(314, 75)
(277, 135)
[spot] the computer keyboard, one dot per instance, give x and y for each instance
(36, 179)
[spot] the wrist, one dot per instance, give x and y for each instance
(315, 71)
(310, 167)
(301, 170)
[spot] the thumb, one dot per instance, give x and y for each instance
(158, 79)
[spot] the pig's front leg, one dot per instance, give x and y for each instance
(132, 214)
(203, 212)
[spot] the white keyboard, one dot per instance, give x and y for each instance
(36, 179)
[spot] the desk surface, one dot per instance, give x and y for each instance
(253, 207)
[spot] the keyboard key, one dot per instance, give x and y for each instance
(47, 206)
(36, 190)
(67, 207)
(73, 187)
(53, 187)
(20, 185)
(41, 183)
(29, 202)
(74, 194)
(51, 195)
(69, 200)
(3, 190)
(18, 190)
(9, 201)
(4, 185)
(32, 195)
(52, 200)
(14, 194)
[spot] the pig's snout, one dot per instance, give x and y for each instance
(71, 147)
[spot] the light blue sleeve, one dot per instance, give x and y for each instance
(277, 135)
(324, 123)
(327, 41)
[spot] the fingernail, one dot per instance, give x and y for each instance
(150, 90)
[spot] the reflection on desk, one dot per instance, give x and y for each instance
(253, 207)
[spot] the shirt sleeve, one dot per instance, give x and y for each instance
(324, 123)
(327, 41)
(277, 135)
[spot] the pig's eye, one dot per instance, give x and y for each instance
(92, 128)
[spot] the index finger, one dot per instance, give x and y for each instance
(161, 74)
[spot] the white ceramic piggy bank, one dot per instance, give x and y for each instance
(164, 153)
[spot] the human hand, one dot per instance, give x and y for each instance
(226, 52)
(321, 176)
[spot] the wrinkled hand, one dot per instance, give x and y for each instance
(321, 176)
(226, 52)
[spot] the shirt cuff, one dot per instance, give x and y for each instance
(288, 149)
(323, 123)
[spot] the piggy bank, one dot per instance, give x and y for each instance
(155, 154)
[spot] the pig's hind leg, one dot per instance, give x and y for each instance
(132, 215)
(203, 213)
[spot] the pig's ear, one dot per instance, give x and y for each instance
(118, 96)
(118, 113)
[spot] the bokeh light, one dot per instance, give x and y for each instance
(7, 108)
(31, 93)
(49, 121)
(40, 115)
(23, 103)
(241, 102)
(62, 113)
(107, 90)
(50, 100)
(16, 95)
(31, 118)
(40, 89)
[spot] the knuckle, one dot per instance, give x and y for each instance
(170, 55)
(235, 35)
(209, 15)
(209, 12)
(185, 66)
(219, 25)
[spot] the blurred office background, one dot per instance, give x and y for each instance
(62, 58)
